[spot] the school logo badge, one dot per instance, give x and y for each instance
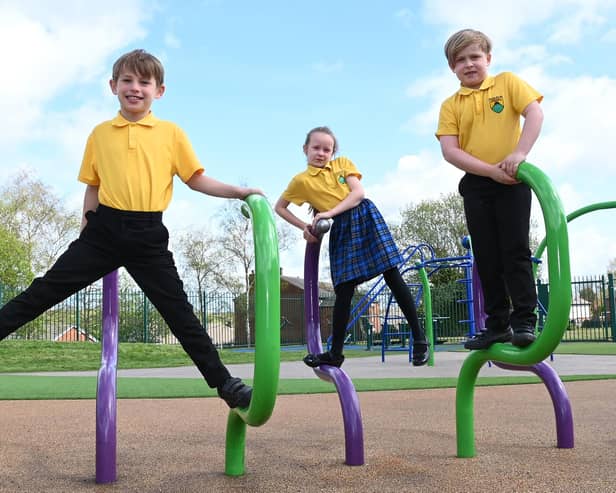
(341, 180)
(496, 104)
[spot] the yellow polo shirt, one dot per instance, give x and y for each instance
(322, 188)
(134, 163)
(487, 120)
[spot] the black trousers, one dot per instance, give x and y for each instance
(402, 294)
(498, 220)
(138, 241)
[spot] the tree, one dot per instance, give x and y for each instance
(15, 268)
(612, 266)
(236, 239)
(36, 216)
(203, 261)
(198, 252)
(441, 224)
(594, 299)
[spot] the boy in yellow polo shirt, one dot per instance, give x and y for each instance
(479, 132)
(128, 168)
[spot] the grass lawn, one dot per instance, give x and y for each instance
(39, 356)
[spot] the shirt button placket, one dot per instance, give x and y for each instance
(132, 137)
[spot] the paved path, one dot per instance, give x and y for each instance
(178, 445)
(396, 365)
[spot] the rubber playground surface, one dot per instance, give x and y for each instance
(178, 445)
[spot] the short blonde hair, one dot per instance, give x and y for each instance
(460, 40)
(142, 63)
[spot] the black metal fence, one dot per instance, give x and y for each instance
(78, 318)
(593, 314)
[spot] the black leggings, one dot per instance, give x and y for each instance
(342, 308)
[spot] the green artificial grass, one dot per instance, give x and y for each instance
(589, 348)
(61, 388)
(18, 356)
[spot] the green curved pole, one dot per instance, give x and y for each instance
(557, 318)
(267, 336)
(427, 296)
(573, 215)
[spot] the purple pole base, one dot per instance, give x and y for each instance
(560, 399)
(106, 405)
(351, 413)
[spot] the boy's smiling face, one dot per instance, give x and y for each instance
(136, 94)
(471, 66)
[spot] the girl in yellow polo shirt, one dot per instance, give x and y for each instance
(360, 244)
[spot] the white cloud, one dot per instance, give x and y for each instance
(609, 36)
(190, 210)
(573, 148)
(62, 46)
(506, 23)
(577, 127)
(589, 250)
(405, 17)
(432, 90)
(56, 64)
(328, 67)
(172, 40)
(501, 21)
(582, 19)
(416, 178)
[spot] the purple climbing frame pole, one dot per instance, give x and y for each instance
(351, 413)
(560, 399)
(106, 406)
(556, 389)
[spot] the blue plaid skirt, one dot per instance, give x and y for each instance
(360, 245)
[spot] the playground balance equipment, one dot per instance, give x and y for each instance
(532, 357)
(507, 356)
(267, 353)
(349, 402)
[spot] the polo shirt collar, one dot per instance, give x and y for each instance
(147, 121)
(487, 82)
(315, 170)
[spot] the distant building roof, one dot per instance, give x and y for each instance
(73, 334)
(326, 290)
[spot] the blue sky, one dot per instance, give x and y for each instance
(247, 79)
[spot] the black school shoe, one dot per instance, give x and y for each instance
(485, 338)
(421, 353)
(523, 336)
(235, 392)
(326, 358)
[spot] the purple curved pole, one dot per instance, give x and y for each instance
(560, 399)
(351, 413)
(556, 389)
(106, 385)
